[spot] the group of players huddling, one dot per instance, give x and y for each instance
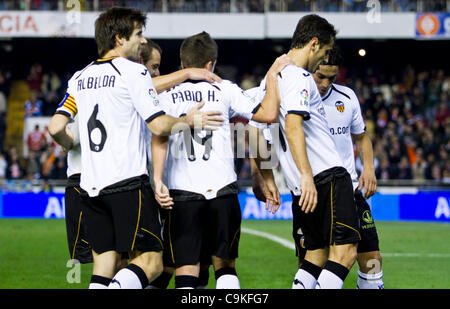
(138, 236)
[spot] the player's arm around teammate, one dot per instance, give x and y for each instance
(151, 57)
(270, 105)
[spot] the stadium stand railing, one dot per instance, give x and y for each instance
(233, 6)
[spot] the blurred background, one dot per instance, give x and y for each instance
(396, 59)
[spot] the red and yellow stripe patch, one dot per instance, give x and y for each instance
(68, 103)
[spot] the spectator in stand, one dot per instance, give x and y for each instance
(33, 106)
(14, 170)
(33, 170)
(50, 103)
(443, 112)
(436, 173)
(3, 104)
(3, 166)
(47, 159)
(404, 170)
(419, 167)
(34, 79)
(384, 170)
(36, 141)
(5, 81)
(59, 167)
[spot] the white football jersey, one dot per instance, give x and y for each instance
(111, 98)
(203, 162)
(299, 95)
(344, 118)
(74, 154)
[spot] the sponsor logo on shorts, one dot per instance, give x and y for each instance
(367, 217)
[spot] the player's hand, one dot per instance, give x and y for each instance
(280, 63)
(258, 186)
(210, 120)
(203, 74)
(272, 195)
(308, 197)
(162, 195)
(368, 181)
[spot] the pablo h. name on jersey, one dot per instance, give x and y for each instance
(189, 95)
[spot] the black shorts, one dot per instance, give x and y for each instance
(125, 221)
(76, 228)
(165, 217)
(200, 228)
(335, 220)
(369, 236)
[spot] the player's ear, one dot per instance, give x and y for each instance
(119, 40)
(314, 44)
(182, 65)
(210, 65)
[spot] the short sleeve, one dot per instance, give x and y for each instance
(358, 126)
(166, 104)
(296, 92)
(242, 103)
(143, 94)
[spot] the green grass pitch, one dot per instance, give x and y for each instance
(34, 254)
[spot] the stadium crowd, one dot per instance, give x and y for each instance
(234, 6)
(407, 118)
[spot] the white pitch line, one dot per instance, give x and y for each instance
(281, 241)
(290, 245)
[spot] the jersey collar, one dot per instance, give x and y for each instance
(328, 93)
(106, 59)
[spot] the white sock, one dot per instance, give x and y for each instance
(228, 282)
(328, 280)
(99, 282)
(370, 281)
(131, 277)
(303, 280)
(332, 276)
(97, 286)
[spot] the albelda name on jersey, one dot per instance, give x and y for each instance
(96, 82)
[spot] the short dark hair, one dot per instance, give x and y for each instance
(147, 50)
(335, 57)
(116, 21)
(311, 26)
(198, 50)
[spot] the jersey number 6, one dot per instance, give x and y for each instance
(96, 131)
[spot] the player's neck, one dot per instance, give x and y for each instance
(299, 57)
(113, 53)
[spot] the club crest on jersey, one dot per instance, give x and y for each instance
(340, 106)
(154, 95)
